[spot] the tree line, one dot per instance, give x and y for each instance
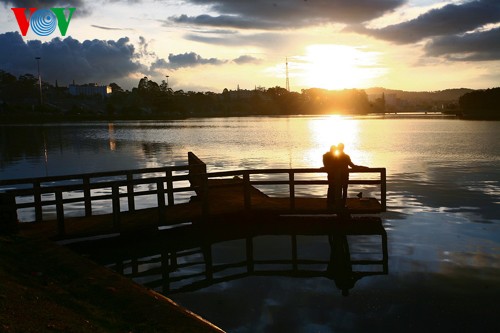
(152, 99)
(481, 104)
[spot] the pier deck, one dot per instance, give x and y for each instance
(225, 204)
(219, 196)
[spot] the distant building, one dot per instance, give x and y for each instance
(90, 89)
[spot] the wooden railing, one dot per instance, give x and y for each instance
(91, 184)
(292, 182)
(166, 180)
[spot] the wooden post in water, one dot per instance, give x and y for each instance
(291, 180)
(205, 203)
(37, 198)
(8, 214)
(130, 192)
(246, 191)
(60, 213)
(170, 188)
(115, 194)
(383, 189)
(87, 196)
(209, 268)
(249, 252)
(385, 257)
(295, 258)
(161, 201)
(337, 192)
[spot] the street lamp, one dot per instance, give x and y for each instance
(39, 79)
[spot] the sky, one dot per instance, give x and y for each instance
(202, 45)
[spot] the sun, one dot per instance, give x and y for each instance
(331, 66)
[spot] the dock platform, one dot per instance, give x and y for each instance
(220, 196)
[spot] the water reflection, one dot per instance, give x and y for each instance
(112, 141)
(62, 149)
(191, 258)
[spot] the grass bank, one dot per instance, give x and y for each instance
(48, 288)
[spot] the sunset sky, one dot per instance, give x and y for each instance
(416, 45)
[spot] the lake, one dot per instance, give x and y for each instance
(443, 218)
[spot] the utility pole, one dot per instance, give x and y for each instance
(39, 79)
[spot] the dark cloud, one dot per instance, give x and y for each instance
(280, 14)
(227, 21)
(246, 59)
(45, 3)
(159, 64)
(81, 8)
(68, 59)
(268, 39)
(449, 20)
(478, 46)
(191, 59)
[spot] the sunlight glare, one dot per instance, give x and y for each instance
(331, 130)
(338, 67)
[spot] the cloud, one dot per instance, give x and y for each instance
(478, 46)
(159, 64)
(227, 21)
(283, 14)
(191, 59)
(81, 8)
(68, 59)
(265, 39)
(449, 20)
(246, 59)
(109, 28)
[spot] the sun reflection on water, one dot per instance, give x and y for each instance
(332, 130)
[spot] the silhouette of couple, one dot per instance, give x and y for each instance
(336, 164)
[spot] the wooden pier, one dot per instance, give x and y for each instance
(215, 196)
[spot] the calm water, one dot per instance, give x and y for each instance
(443, 220)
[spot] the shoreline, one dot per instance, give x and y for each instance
(58, 290)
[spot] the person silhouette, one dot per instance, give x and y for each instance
(336, 164)
(329, 163)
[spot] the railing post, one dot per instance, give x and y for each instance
(130, 192)
(383, 189)
(161, 201)
(116, 206)
(170, 188)
(60, 213)
(86, 196)
(246, 191)
(291, 180)
(37, 198)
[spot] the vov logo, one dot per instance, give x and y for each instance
(43, 22)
